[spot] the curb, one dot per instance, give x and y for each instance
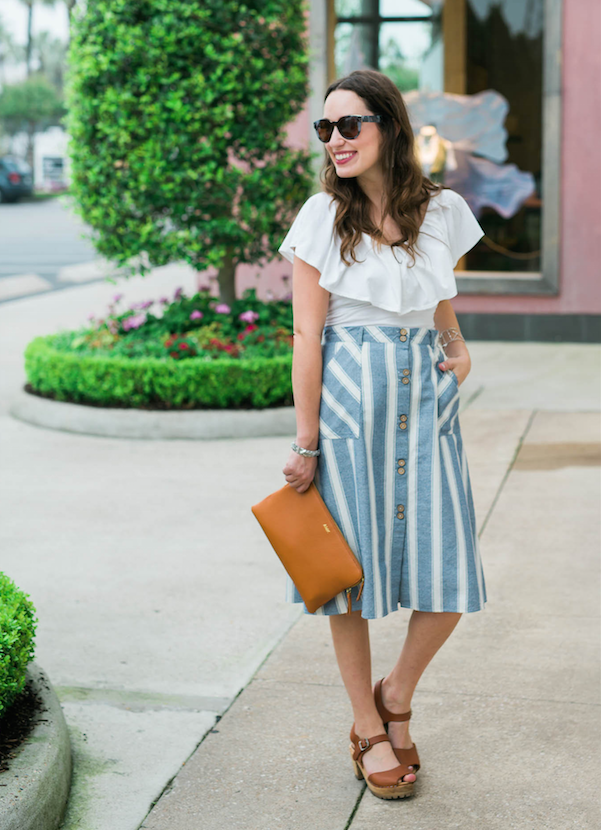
(151, 424)
(37, 783)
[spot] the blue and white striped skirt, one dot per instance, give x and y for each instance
(393, 472)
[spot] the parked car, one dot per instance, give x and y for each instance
(16, 179)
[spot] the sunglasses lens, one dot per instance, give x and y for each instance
(324, 129)
(349, 126)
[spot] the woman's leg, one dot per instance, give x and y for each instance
(350, 634)
(426, 633)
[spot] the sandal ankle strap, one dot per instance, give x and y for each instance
(383, 712)
(363, 745)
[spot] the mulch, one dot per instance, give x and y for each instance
(18, 721)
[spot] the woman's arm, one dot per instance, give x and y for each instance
(309, 310)
(457, 355)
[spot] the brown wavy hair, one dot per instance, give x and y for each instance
(407, 189)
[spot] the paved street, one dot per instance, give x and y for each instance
(161, 610)
(40, 241)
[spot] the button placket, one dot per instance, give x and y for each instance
(403, 402)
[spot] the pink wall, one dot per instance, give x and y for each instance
(270, 275)
(580, 210)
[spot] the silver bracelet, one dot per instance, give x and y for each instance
(453, 334)
(303, 451)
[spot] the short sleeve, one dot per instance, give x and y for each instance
(462, 226)
(310, 235)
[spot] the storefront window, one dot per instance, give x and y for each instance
(471, 72)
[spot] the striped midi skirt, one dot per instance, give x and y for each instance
(394, 474)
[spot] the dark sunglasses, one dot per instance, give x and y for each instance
(349, 126)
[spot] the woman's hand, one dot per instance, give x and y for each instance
(460, 364)
(300, 471)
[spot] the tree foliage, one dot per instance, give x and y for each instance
(32, 105)
(177, 115)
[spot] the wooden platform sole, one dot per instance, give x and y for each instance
(399, 791)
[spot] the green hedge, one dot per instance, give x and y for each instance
(17, 635)
(254, 383)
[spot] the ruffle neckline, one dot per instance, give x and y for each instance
(387, 279)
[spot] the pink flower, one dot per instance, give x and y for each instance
(134, 322)
(91, 317)
(164, 300)
(117, 297)
(248, 316)
(196, 315)
(222, 308)
(178, 292)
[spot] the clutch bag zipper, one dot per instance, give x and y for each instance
(348, 594)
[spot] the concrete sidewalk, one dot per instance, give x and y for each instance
(159, 600)
(506, 718)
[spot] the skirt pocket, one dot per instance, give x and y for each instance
(340, 406)
(447, 394)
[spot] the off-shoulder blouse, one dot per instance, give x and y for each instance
(385, 288)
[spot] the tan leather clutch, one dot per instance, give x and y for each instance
(309, 544)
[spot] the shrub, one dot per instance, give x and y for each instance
(178, 114)
(194, 383)
(199, 353)
(17, 635)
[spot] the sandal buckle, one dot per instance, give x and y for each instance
(365, 741)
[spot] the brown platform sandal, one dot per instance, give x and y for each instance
(386, 784)
(405, 756)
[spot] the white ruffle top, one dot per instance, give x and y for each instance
(385, 288)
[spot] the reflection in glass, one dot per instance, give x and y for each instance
(504, 48)
(352, 47)
(409, 8)
(346, 8)
(411, 54)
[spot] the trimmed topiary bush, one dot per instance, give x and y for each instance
(178, 114)
(17, 636)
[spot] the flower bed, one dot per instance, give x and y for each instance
(198, 353)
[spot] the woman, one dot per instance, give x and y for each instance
(376, 401)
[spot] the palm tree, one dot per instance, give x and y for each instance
(51, 54)
(9, 50)
(28, 47)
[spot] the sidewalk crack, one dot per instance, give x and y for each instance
(510, 467)
(355, 808)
